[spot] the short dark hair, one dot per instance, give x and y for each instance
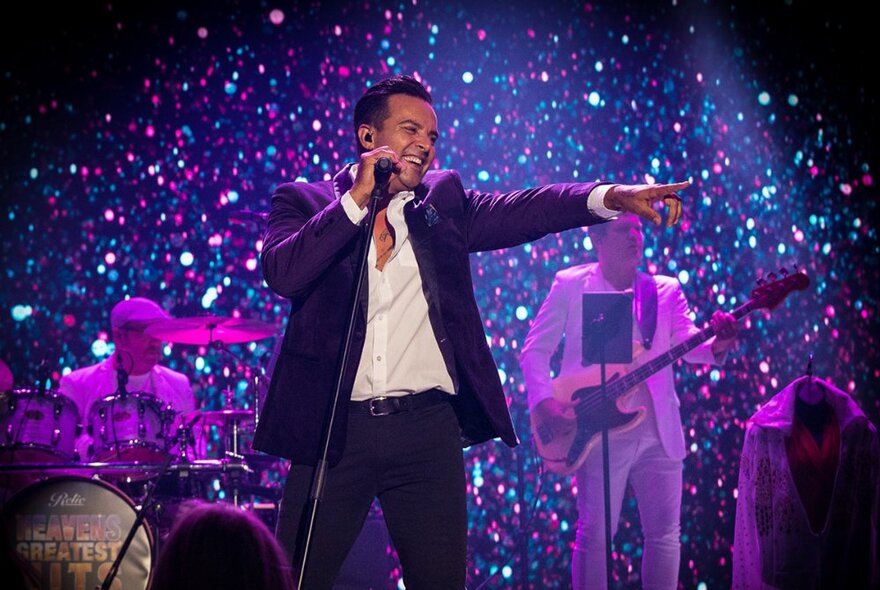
(372, 107)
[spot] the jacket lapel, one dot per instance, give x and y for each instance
(419, 229)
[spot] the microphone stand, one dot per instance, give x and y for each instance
(43, 376)
(121, 376)
(383, 174)
(606, 468)
(121, 391)
(138, 522)
(607, 330)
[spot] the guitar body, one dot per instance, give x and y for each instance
(564, 447)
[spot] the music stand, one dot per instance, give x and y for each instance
(606, 337)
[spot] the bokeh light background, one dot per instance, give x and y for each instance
(133, 135)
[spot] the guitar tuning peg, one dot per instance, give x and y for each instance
(783, 271)
(760, 281)
(772, 276)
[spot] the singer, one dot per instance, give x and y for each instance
(420, 382)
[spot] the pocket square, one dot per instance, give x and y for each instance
(431, 216)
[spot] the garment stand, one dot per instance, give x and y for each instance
(607, 337)
(138, 521)
(382, 175)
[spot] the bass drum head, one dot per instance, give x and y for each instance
(70, 529)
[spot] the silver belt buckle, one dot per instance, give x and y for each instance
(373, 411)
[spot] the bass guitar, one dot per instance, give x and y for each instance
(564, 447)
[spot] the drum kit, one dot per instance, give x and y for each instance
(143, 456)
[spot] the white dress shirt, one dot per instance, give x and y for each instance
(401, 355)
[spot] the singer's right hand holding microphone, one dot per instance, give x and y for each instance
(365, 179)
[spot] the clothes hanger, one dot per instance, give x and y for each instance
(811, 406)
(810, 391)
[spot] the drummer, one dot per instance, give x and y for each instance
(138, 355)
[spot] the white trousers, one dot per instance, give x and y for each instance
(636, 456)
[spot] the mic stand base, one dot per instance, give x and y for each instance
(138, 522)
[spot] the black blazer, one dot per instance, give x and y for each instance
(310, 256)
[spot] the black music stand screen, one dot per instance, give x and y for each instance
(607, 327)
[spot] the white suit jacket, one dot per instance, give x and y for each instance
(87, 385)
(560, 315)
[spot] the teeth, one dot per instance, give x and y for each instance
(413, 160)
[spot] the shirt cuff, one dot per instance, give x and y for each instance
(355, 213)
(596, 202)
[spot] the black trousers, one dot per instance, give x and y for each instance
(413, 463)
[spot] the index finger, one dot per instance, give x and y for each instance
(664, 189)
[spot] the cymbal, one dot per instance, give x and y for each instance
(206, 330)
(224, 416)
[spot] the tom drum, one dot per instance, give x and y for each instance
(38, 426)
(129, 427)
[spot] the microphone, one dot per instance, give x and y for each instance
(43, 372)
(382, 171)
(121, 375)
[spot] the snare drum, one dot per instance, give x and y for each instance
(128, 427)
(71, 529)
(38, 426)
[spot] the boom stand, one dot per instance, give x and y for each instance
(320, 473)
(138, 522)
(606, 338)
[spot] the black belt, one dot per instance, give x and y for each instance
(385, 406)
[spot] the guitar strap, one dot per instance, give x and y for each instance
(646, 307)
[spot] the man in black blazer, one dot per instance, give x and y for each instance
(419, 382)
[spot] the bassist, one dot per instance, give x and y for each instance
(647, 452)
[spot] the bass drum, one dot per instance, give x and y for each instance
(70, 529)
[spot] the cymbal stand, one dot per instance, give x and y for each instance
(185, 439)
(257, 384)
(141, 512)
(231, 440)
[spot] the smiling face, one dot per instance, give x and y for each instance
(411, 131)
